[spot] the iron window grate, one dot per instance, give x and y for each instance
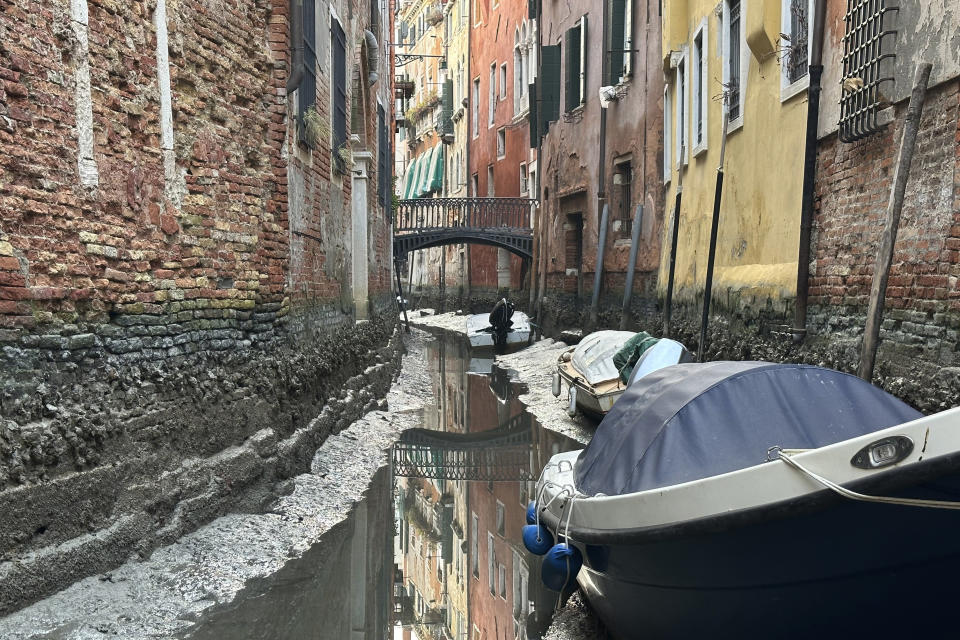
(867, 64)
(797, 56)
(734, 62)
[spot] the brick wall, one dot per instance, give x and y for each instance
(922, 308)
(174, 273)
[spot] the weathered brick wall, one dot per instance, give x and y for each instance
(172, 303)
(922, 307)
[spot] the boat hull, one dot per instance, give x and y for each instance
(479, 335)
(881, 569)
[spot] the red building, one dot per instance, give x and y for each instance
(500, 160)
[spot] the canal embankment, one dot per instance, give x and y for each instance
(175, 588)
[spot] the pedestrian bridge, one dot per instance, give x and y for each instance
(421, 223)
(497, 455)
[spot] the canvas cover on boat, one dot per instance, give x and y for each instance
(627, 356)
(593, 357)
(691, 421)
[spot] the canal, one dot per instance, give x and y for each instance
(433, 551)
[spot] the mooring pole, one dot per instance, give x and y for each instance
(714, 228)
(881, 271)
(668, 305)
(400, 300)
(598, 270)
(631, 267)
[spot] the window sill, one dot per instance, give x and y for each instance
(791, 90)
(699, 149)
(735, 125)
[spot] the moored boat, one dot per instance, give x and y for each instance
(735, 498)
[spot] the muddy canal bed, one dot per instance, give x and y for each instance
(407, 527)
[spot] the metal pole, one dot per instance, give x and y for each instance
(714, 228)
(400, 301)
(598, 270)
(675, 235)
(881, 271)
(631, 267)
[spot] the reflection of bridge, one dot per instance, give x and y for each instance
(499, 455)
(431, 222)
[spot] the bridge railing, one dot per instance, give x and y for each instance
(420, 214)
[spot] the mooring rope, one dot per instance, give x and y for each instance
(853, 495)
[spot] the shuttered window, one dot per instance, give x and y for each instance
(383, 156)
(338, 49)
(620, 38)
(307, 91)
(576, 72)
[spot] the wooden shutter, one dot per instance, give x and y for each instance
(382, 177)
(617, 10)
(548, 85)
(572, 80)
(307, 91)
(532, 115)
(582, 93)
(339, 52)
(446, 117)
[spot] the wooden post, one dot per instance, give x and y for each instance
(881, 271)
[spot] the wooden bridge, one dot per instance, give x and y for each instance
(432, 222)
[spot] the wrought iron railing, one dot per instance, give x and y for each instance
(421, 214)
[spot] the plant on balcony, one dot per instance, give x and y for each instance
(417, 112)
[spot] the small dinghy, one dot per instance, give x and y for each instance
(737, 499)
(501, 328)
(597, 371)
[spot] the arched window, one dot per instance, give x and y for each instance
(524, 67)
(518, 72)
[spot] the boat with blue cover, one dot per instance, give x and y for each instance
(733, 498)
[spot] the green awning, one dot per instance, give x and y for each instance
(407, 177)
(411, 178)
(426, 163)
(436, 170)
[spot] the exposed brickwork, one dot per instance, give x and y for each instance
(922, 307)
(187, 297)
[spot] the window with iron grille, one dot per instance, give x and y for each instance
(338, 49)
(699, 85)
(307, 91)
(682, 98)
(795, 62)
(733, 59)
(868, 57)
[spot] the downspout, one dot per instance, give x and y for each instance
(296, 46)
(373, 57)
(809, 173)
(601, 176)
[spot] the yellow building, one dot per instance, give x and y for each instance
(750, 55)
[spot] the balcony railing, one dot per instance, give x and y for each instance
(421, 214)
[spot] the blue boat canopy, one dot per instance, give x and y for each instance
(691, 421)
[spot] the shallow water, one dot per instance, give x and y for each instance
(434, 550)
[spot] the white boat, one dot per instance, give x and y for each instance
(482, 334)
(721, 496)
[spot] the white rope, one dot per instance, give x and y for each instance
(566, 537)
(853, 495)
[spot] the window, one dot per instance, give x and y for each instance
(475, 547)
(700, 75)
(502, 581)
(517, 64)
(501, 143)
(491, 192)
(491, 564)
(524, 188)
(667, 132)
(501, 520)
(493, 94)
(475, 104)
(622, 185)
(794, 29)
(475, 188)
(680, 86)
(576, 46)
(733, 46)
(307, 91)
(338, 49)
(383, 154)
(621, 40)
(503, 81)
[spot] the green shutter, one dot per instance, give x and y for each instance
(615, 41)
(571, 40)
(549, 86)
(436, 179)
(532, 9)
(446, 122)
(533, 114)
(584, 47)
(408, 178)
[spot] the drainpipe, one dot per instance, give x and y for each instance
(373, 57)
(296, 46)
(631, 267)
(809, 173)
(601, 178)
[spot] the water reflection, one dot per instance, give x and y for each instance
(463, 484)
(449, 510)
